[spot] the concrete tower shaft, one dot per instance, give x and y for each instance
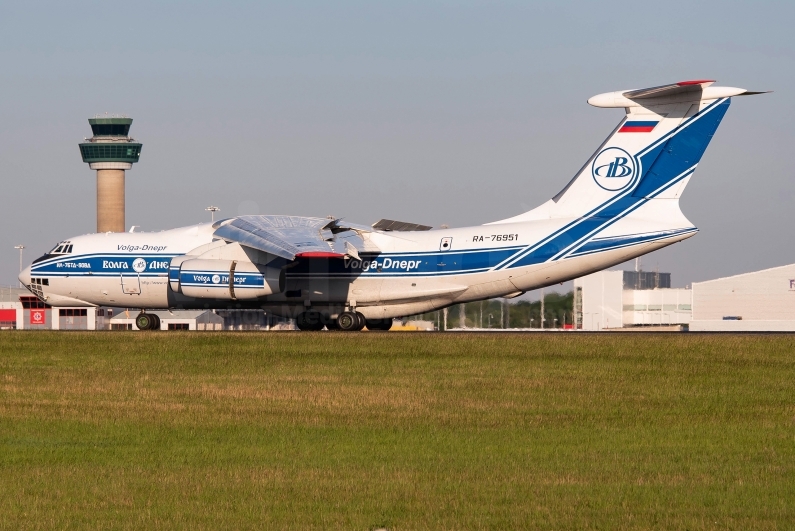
(110, 152)
(110, 201)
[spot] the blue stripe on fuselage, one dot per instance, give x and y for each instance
(103, 264)
(605, 244)
(402, 264)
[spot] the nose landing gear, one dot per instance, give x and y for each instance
(147, 321)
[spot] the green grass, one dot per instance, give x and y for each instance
(405, 431)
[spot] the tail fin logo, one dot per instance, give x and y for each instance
(613, 169)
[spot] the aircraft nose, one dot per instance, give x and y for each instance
(24, 276)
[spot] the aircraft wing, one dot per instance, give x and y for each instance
(294, 237)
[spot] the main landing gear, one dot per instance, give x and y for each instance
(309, 321)
(147, 321)
(351, 321)
(346, 321)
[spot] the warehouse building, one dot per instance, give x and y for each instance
(762, 301)
(20, 310)
(10, 308)
(620, 299)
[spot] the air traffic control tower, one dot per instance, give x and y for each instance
(110, 151)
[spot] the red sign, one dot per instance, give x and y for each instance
(37, 316)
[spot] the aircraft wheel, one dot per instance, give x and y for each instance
(309, 321)
(348, 321)
(301, 322)
(362, 321)
(144, 321)
(156, 323)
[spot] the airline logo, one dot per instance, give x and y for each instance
(139, 265)
(380, 265)
(637, 126)
(613, 169)
(133, 248)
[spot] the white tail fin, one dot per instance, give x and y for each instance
(654, 148)
(650, 155)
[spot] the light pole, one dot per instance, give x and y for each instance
(212, 210)
(20, 247)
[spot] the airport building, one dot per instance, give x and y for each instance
(171, 320)
(20, 310)
(761, 301)
(619, 299)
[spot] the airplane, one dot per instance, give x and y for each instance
(623, 203)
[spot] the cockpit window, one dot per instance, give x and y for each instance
(62, 248)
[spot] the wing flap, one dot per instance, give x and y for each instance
(292, 237)
(285, 236)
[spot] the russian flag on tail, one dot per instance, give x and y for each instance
(638, 126)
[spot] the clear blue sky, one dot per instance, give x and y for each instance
(432, 112)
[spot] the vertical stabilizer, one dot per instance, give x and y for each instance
(651, 154)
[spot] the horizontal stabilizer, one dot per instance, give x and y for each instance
(680, 92)
(400, 226)
(669, 90)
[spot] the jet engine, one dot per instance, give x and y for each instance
(223, 279)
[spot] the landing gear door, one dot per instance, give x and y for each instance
(131, 284)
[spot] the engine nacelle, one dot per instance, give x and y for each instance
(223, 279)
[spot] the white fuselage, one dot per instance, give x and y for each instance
(414, 272)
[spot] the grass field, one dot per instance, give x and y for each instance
(404, 431)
